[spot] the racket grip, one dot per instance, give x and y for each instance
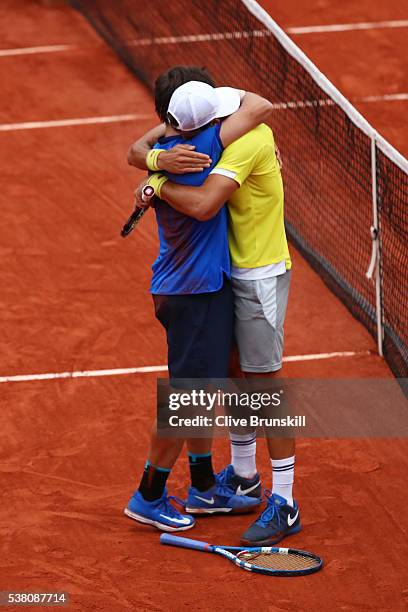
(171, 540)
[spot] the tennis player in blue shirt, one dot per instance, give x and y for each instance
(191, 286)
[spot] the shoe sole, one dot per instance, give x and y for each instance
(244, 510)
(271, 542)
(161, 526)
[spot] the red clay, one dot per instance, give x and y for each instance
(75, 296)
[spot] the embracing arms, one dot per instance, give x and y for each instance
(178, 160)
(183, 158)
(202, 202)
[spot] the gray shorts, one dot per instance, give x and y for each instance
(260, 309)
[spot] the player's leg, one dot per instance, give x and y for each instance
(150, 503)
(163, 451)
(212, 321)
(260, 308)
(275, 293)
(187, 323)
(282, 454)
(200, 463)
(242, 474)
(281, 516)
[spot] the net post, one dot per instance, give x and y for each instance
(375, 235)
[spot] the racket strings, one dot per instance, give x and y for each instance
(279, 561)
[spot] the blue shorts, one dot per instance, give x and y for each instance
(199, 331)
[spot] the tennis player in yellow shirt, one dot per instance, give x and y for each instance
(248, 177)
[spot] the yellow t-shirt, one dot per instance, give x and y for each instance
(256, 230)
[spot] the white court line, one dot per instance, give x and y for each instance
(385, 98)
(174, 40)
(35, 50)
(144, 42)
(83, 374)
(397, 97)
(35, 125)
(318, 356)
(159, 368)
(235, 35)
(347, 27)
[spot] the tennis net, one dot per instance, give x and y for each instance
(341, 178)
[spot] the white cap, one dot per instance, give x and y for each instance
(195, 104)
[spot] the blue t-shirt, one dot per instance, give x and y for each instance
(194, 255)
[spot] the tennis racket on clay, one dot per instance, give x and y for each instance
(265, 560)
(137, 214)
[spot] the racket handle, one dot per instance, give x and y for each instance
(171, 540)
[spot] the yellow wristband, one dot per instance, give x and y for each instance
(151, 159)
(157, 181)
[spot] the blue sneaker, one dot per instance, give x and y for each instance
(276, 521)
(240, 485)
(159, 513)
(220, 498)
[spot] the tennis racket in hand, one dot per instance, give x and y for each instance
(137, 214)
(265, 560)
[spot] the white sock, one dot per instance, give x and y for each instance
(283, 475)
(243, 454)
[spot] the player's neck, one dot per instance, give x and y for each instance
(171, 131)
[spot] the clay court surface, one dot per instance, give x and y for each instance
(75, 297)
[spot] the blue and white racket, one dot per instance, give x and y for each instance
(137, 214)
(265, 560)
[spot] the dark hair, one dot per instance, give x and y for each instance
(169, 81)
